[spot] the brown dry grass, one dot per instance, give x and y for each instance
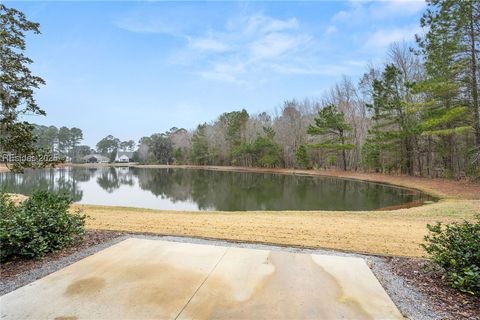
(397, 232)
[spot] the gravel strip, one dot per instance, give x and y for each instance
(408, 300)
(411, 303)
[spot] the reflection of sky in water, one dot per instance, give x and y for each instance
(130, 196)
(193, 190)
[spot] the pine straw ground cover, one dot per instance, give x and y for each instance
(420, 274)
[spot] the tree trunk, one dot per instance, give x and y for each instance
(409, 156)
(344, 152)
(474, 88)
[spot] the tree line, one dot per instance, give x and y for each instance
(417, 113)
(61, 142)
(65, 142)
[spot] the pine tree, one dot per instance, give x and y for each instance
(17, 85)
(395, 122)
(451, 108)
(235, 124)
(267, 152)
(443, 118)
(451, 47)
(330, 124)
(302, 158)
(200, 146)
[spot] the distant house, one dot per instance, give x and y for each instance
(95, 158)
(124, 156)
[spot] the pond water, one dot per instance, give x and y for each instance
(198, 190)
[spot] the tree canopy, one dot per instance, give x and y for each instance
(17, 85)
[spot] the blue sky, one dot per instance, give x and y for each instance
(135, 68)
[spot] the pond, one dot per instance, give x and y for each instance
(198, 190)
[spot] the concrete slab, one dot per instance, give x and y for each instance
(134, 279)
(151, 279)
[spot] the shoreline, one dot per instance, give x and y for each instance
(439, 188)
(394, 232)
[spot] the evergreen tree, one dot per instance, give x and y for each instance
(17, 84)
(105, 146)
(76, 136)
(302, 158)
(46, 137)
(262, 152)
(330, 124)
(395, 123)
(451, 48)
(64, 140)
(200, 146)
(267, 153)
(451, 110)
(235, 123)
(161, 146)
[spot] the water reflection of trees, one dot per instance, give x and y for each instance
(217, 190)
(257, 191)
(63, 180)
(111, 178)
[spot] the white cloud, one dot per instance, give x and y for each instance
(398, 8)
(384, 37)
(252, 49)
(245, 49)
(327, 70)
(142, 27)
(225, 72)
(356, 11)
(361, 11)
(208, 44)
(274, 45)
(331, 30)
(356, 63)
(263, 24)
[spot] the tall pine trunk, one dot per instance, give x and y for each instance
(473, 69)
(409, 156)
(344, 152)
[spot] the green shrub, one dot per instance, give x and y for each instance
(456, 249)
(39, 225)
